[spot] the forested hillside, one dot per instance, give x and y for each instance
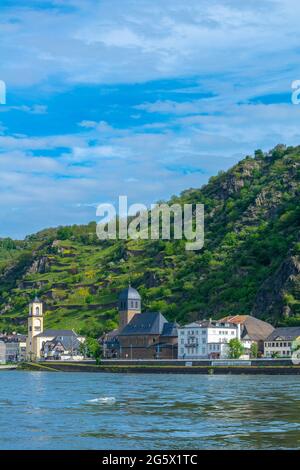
(250, 262)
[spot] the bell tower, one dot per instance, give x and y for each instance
(35, 327)
(129, 306)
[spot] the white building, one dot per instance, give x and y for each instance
(279, 343)
(206, 339)
(12, 348)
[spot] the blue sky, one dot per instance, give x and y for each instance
(138, 97)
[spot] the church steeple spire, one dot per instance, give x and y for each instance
(129, 305)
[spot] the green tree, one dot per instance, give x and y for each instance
(63, 233)
(236, 348)
(91, 348)
(254, 350)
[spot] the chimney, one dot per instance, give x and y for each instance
(239, 331)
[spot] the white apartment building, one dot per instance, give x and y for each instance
(206, 339)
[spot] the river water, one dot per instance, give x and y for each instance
(40, 410)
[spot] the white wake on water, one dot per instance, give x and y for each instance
(108, 400)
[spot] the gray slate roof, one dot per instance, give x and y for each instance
(286, 333)
(170, 329)
(129, 294)
(68, 342)
(214, 324)
(148, 323)
(55, 333)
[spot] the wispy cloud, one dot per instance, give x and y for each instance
(145, 98)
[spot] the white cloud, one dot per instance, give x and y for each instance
(139, 41)
(231, 51)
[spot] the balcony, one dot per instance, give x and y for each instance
(191, 345)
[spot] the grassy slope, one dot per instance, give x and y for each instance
(252, 222)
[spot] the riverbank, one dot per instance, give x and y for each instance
(162, 369)
(8, 367)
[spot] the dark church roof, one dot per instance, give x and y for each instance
(170, 329)
(129, 294)
(148, 323)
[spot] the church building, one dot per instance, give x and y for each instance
(43, 344)
(146, 335)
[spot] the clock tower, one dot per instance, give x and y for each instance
(35, 327)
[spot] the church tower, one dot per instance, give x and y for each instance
(129, 305)
(35, 327)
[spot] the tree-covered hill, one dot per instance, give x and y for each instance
(250, 262)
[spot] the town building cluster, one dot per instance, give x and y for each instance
(148, 335)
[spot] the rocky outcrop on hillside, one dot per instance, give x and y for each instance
(39, 265)
(270, 300)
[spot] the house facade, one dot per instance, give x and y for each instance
(12, 348)
(65, 346)
(279, 342)
(206, 339)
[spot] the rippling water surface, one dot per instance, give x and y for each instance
(41, 410)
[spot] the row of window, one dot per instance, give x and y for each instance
(192, 332)
(192, 351)
(278, 345)
(131, 304)
(203, 331)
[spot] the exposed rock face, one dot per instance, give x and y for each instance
(270, 297)
(40, 265)
(231, 185)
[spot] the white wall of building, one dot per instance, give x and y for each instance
(282, 348)
(202, 341)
